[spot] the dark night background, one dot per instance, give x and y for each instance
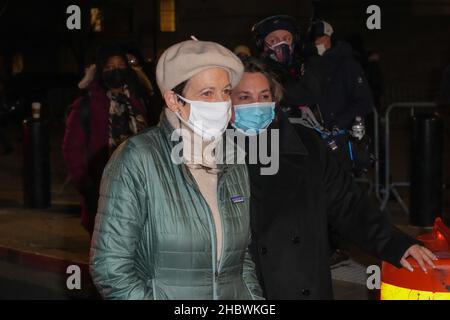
(412, 43)
(41, 60)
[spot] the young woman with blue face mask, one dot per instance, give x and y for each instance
(291, 210)
(254, 100)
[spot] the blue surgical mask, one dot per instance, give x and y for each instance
(250, 119)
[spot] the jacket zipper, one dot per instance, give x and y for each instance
(218, 263)
(212, 227)
(219, 206)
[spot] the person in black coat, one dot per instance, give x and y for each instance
(336, 78)
(291, 209)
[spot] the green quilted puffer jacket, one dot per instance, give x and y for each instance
(154, 235)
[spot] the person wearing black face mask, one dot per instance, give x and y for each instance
(109, 112)
(278, 40)
(115, 78)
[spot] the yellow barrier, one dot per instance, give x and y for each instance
(390, 292)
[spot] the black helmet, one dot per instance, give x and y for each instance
(279, 22)
(319, 28)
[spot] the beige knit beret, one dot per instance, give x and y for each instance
(183, 60)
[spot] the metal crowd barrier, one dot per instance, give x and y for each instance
(390, 187)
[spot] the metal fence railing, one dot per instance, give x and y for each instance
(390, 187)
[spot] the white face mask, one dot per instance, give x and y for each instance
(321, 49)
(208, 119)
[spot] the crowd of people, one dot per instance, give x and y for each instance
(210, 229)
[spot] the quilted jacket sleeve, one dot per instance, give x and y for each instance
(119, 223)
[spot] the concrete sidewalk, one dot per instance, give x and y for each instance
(37, 246)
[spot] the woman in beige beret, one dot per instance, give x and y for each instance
(171, 226)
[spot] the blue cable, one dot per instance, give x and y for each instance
(350, 150)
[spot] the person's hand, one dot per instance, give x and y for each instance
(421, 255)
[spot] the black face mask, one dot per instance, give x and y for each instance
(115, 78)
(282, 53)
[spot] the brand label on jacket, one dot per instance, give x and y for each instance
(237, 199)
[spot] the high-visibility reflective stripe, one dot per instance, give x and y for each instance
(390, 292)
